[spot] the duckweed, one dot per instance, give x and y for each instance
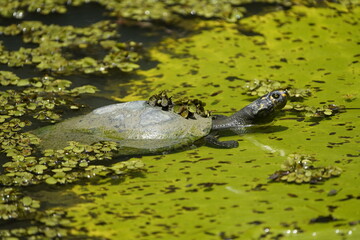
(54, 167)
(161, 100)
(316, 113)
(299, 168)
(144, 10)
(64, 166)
(41, 98)
(150, 10)
(258, 87)
(14, 205)
(56, 46)
(186, 108)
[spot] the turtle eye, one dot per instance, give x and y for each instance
(275, 95)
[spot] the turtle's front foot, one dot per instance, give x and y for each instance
(228, 144)
(214, 141)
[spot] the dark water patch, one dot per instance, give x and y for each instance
(248, 32)
(256, 222)
(323, 219)
(101, 81)
(14, 43)
(75, 52)
(54, 196)
(81, 16)
(233, 78)
(93, 102)
(318, 81)
(8, 21)
(109, 84)
(275, 67)
(349, 197)
(332, 208)
(26, 71)
(137, 32)
(352, 155)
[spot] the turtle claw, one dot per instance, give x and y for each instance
(214, 141)
(229, 144)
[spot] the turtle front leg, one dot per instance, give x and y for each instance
(213, 140)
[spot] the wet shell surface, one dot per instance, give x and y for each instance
(137, 127)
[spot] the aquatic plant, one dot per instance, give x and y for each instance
(38, 97)
(258, 87)
(58, 48)
(186, 108)
(165, 11)
(299, 168)
(36, 224)
(67, 165)
(316, 113)
(217, 188)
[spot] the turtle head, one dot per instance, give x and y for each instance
(263, 109)
(277, 99)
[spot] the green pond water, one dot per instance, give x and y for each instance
(209, 193)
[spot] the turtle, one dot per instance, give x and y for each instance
(139, 128)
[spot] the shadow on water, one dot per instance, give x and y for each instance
(52, 196)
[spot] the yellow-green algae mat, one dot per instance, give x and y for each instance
(208, 193)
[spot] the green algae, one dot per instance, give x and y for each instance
(41, 98)
(246, 58)
(226, 191)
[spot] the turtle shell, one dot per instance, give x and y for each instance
(137, 127)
